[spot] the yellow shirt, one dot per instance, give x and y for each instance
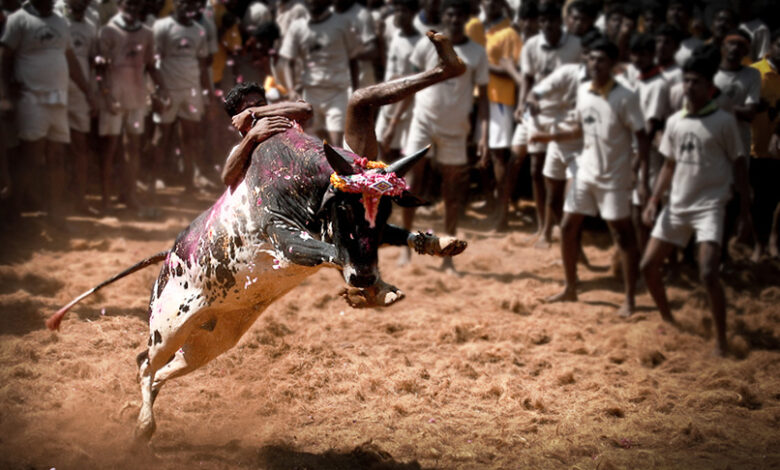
(765, 123)
(499, 41)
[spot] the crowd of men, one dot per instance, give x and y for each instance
(661, 117)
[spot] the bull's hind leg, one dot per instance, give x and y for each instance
(359, 132)
(167, 335)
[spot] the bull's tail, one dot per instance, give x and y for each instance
(53, 323)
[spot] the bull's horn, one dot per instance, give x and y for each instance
(405, 164)
(339, 164)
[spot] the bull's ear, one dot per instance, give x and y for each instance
(339, 164)
(408, 199)
(405, 164)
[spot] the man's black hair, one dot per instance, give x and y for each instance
(585, 7)
(740, 32)
(631, 12)
(412, 5)
(550, 10)
(642, 43)
(590, 37)
(528, 10)
(463, 6)
(267, 31)
(655, 8)
(236, 96)
(704, 61)
(669, 31)
(606, 46)
(775, 35)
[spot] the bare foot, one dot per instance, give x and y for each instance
(625, 310)
(668, 318)
(448, 267)
(406, 257)
(531, 239)
(772, 248)
(543, 243)
(451, 65)
(568, 295)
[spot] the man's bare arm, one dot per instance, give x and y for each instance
(295, 110)
(238, 160)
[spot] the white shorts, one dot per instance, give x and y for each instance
(678, 228)
(588, 199)
(560, 162)
(131, 120)
(79, 118)
(37, 121)
(520, 136)
(401, 129)
(329, 106)
(446, 149)
(523, 132)
(500, 126)
(185, 104)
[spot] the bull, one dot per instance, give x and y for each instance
(302, 205)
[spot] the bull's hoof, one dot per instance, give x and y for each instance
(380, 295)
(450, 63)
(426, 244)
(144, 431)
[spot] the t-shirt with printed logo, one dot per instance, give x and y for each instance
(325, 48)
(39, 45)
(446, 105)
(84, 38)
(704, 148)
(180, 49)
(127, 51)
(608, 126)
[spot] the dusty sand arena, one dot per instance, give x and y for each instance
(470, 372)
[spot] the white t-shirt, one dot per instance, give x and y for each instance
(325, 49)
(83, 35)
(180, 49)
(539, 59)
(687, 46)
(673, 74)
(288, 12)
(362, 25)
(608, 127)
(738, 88)
(704, 149)
(127, 53)
(760, 38)
(447, 105)
(39, 45)
(256, 14)
(558, 92)
(399, 64)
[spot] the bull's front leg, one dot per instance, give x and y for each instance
(423, 243)
(298, 246)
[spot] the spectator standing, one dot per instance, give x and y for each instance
(703, 154)
(441, 116)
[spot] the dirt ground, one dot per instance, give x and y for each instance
(469, 372)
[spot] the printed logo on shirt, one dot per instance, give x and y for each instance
(79, 40)
(183, 44)
(689, 151)
(591, 117)
(46, 34)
